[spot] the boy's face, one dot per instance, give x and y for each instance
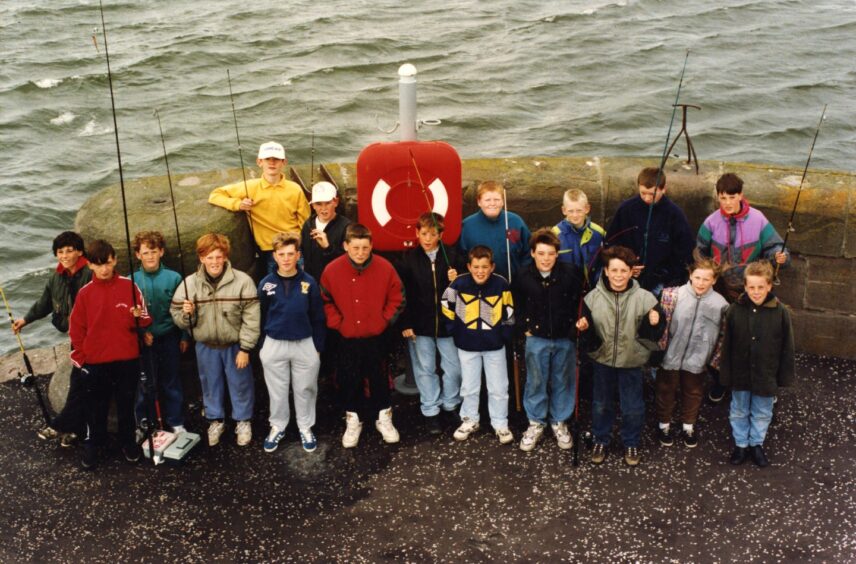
(359, 250)
(286, 258)
(480, 269)
(757, 288)
(326, 211)
(729, 203)
(702, 279)
(68, 256)
(618, 274)
(651, 195)
(271, 166)
(428, 238)
(490, 204)
(214, 263)
(149, 257)
(104, 271)
(545, 257)
(575, 212)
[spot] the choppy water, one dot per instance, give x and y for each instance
(505, 77)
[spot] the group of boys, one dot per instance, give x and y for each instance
(328, 299)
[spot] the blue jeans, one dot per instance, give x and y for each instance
(496, 378)
(628, 381)
(750, 417)
(161, 362)
(549, 362)
(217, 370)
(423, 360)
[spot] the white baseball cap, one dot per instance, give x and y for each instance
(323, 192)
(271, 149)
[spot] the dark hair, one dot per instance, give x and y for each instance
(152, 239)
(729, 183)
(357, 231)
(623, 254)
(68, 239)
(431, 220)
(480, 252)
(544, 236)
(100, 251)
(651, 176)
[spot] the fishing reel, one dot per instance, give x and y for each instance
(27, 379)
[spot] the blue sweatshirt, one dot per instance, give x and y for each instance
(580, 246)
(292, 309)
(158, 288)
(477, 229)
(480, 317)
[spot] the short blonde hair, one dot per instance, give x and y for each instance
(575, 195)
(761, 268)
(490, 186)
(285, 239)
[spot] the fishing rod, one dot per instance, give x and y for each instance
(799, 191)
(430, 209)
(515, 357)
(143, 375)
(241, 154)
(28, 380)
(312, 161)
(663, 159)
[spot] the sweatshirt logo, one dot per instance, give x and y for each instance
(269, 288)
(304, 287)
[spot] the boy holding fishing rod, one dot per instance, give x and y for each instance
(273, 204)
(57, 299)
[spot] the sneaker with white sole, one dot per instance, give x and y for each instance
(531, 436)
(308, 440)
(178, 429)
(215, 431)
(563, 435)
(385, 426)
(504, 435)
(48, 433)
(272, 440)
(68, 440)
(353, 428)
(245, 433)
(468, 427)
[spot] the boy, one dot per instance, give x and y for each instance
(362, 296)
(487, 227)
(757, 358)
(480, 317)
(105, 347)
(656, 229)
(57, 299)
(294, 331)
(627, 323)
(322, 236)
(548, 294)
(223, 310)
(426, 272)
(272, 203)
(579, 236)
(737, 234)
(163, 340)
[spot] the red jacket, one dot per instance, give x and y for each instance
(101, 325)
(361, 302)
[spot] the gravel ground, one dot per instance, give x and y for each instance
(433, 499)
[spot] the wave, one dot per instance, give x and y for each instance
(63, 118)
(92, 128)
(48, 82)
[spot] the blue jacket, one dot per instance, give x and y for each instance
(477, 229)
(480, 317)
(581, 247)
(158, 288)
(292, 309)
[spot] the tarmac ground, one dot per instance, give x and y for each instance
(431, 498)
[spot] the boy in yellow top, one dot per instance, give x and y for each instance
(273, 204)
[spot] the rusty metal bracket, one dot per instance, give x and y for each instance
(691, 154)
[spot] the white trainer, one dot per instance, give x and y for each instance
(505, 436)
(385, 426)
(563, 435)
(244, 432)
(215, 430)
(531, 436)
(467, 428)
(353, 428)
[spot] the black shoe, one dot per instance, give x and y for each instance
(453, 419)
(90, 457)
(738, 455)
(598, 454)
(758, 456)
(690, 438)
(716, 393)
(132, 452)
(433, 425)
(664, 436)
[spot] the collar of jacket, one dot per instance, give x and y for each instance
(153, 273)
(361, 267)
(771, 301)
(227, 276)
(744, 211)
(78, 266)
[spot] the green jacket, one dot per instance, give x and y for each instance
(58, 296)
(158, 287)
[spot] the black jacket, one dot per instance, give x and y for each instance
(548, 307)
(316, 259)
(424, 287)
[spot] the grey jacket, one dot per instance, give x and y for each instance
(694, 324)
(225, 315)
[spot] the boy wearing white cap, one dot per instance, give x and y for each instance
(322, 236)
(273, 204)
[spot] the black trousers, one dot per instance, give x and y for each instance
(116, 380)
(358, 360)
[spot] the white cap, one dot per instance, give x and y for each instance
(271, 149)
(323, 192)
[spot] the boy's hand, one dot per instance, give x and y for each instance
(187, 307)
(408, 334)
(320, 237)
(452, 274)
(781, 257)
(137, 311)
(17, 325)
(653, 317)
(582, 324)
(242, 359)
(183, 346)
(246, 204)
(637, 270)
(148, 339)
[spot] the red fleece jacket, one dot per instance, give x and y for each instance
(101, 325)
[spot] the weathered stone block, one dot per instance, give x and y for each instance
(792, 289)
(831, 284)
(825, 333)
